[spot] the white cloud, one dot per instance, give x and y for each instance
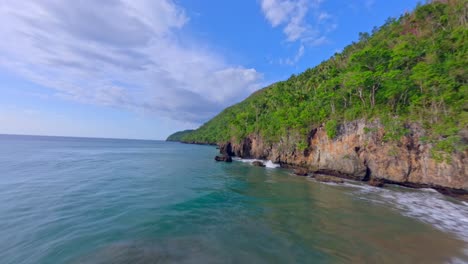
(295, 59)
(277, 12)
(119, 53)
(293, 16)
(323, 16)
(296, 27)
(289, 12)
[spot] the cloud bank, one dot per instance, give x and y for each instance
(120, 53)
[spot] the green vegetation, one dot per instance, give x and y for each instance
(179, 135)
(412, 69)
(330, 127)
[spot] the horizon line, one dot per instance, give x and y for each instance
(83, 137)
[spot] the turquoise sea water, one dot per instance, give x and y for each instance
(74, 200)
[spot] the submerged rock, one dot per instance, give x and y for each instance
(223, 158)
(258, 163)
(301, 172)
(327, 178)
(376, 182)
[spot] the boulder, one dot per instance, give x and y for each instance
(258, 163)
(301, 172)
(376, 182)
(223, 158)
(327, 178)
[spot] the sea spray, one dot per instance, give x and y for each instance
(426, 205)
(267, 163)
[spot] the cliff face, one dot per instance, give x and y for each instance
(359, 154)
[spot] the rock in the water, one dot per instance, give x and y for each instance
(223, 158)
(258, 163)
(327, 178)
(301, 172)
(376, 182)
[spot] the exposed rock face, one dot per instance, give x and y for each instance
(359, 152)
(301, 172)
(223, 158)
(376, 182)
(327, 178)
(258, 163)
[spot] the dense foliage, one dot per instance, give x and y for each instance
(179, 135)
(412, 69)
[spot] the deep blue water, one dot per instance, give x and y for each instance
(75, 200)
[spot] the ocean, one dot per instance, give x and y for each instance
(82, 200)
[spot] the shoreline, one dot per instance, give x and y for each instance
(459, 194)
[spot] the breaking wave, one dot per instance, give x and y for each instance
(426, 205)
(267, 163)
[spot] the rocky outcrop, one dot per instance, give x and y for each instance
(223, 158)
(258, 163)
(301, 171)
(360, 152)
(327, 178)
(376, 182)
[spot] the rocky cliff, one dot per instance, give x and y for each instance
(360, 152)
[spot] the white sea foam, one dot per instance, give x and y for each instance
(325, 183)
(425, 205)
(270, 164)
(267, 163)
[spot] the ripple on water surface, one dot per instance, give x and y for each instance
(121, 201)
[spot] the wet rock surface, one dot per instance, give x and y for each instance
(327, 178)
(376, 182)
(223, 158)
(301, 172)
(258, 163)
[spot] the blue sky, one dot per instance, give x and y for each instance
(145, 69)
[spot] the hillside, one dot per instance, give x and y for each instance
(179, 135)
(405, 80)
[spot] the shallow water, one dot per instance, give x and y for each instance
(71, 200)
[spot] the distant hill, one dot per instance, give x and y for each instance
(179, 135)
